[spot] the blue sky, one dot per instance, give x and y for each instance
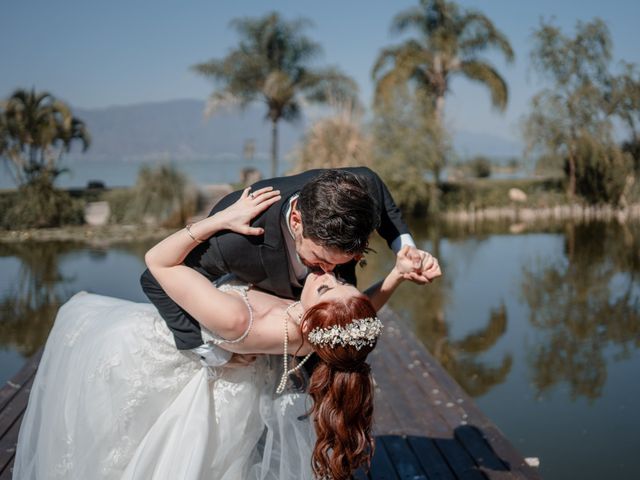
(97, 54)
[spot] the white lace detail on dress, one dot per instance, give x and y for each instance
(160, 372)
(286, 400)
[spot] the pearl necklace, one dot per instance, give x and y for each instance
(285, 360)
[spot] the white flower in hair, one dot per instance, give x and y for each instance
(359, 333)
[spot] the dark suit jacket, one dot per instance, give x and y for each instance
(261, 260)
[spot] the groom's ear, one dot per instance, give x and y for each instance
(296, 218)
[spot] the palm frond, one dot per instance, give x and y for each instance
(411, 18)
(479, 33)
(488, 76)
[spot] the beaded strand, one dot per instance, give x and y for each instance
(285, 361)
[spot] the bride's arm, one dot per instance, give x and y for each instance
(224, 313)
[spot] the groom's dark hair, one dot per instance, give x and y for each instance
(338, 212)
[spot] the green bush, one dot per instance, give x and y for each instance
(161, 196)
(633, 148)
(480, 167)
(601, 172)
(38, 204)
(120, 201)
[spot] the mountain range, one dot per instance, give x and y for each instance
(178, 130)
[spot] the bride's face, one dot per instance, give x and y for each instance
(325, 287)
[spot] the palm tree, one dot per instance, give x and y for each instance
(35, 130)
(449, 41)
(272, 64)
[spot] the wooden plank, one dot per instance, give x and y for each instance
(403, 459)
(360, 475)
(430, 458)
(400, 393)
(462, 464)
(384, 418)
(8, 446)
(473, 441)
(6, 474)
(14, 396)
(381, 465)
(493, 436)
(15, 408)
(394, 395)
(448, 405)
(11, 387)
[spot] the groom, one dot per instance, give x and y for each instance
(323, 222)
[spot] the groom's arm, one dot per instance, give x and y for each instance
(392, 226)
(206, 259)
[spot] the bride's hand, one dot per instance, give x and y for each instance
(237, 217)
(417, 265)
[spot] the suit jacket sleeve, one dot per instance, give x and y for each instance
(391, 223)
(204, 258)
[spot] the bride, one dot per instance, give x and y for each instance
(114, 399)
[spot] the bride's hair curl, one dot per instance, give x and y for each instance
(342, 391)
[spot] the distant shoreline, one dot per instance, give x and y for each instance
(114, 233)
(99, 236)
(559, 213)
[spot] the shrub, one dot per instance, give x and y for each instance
(38, 204)
(161, 196)
(480, 167)
(334, 142)
(601, 172)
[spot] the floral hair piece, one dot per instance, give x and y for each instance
(359, 333)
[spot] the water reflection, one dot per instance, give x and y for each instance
(29, 305)
(584, 304)
(31, 299)
(425, 308)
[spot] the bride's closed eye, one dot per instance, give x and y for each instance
(322, 289)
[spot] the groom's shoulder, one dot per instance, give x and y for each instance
(289, 184)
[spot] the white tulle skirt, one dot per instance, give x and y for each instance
(114, 399)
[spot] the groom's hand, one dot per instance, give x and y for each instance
(419, 266)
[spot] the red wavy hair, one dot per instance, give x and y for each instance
(341, 387)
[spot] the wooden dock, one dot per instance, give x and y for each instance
(426, 426)
(13, 402)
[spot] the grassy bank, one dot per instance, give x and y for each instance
(466, 201)
(474, 194)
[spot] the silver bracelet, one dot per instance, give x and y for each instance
(187, 227)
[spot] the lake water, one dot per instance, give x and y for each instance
(542, 327)
(119, 173)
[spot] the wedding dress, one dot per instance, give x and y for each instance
(114, 399)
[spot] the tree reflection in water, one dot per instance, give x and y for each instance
(425, 307)
(29, 306)
(583, 305)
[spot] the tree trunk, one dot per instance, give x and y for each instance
(274, 148)
(571, 186)
(440, 109)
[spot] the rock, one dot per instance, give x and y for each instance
(97, 213)
(532, 461)
(517, 195)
